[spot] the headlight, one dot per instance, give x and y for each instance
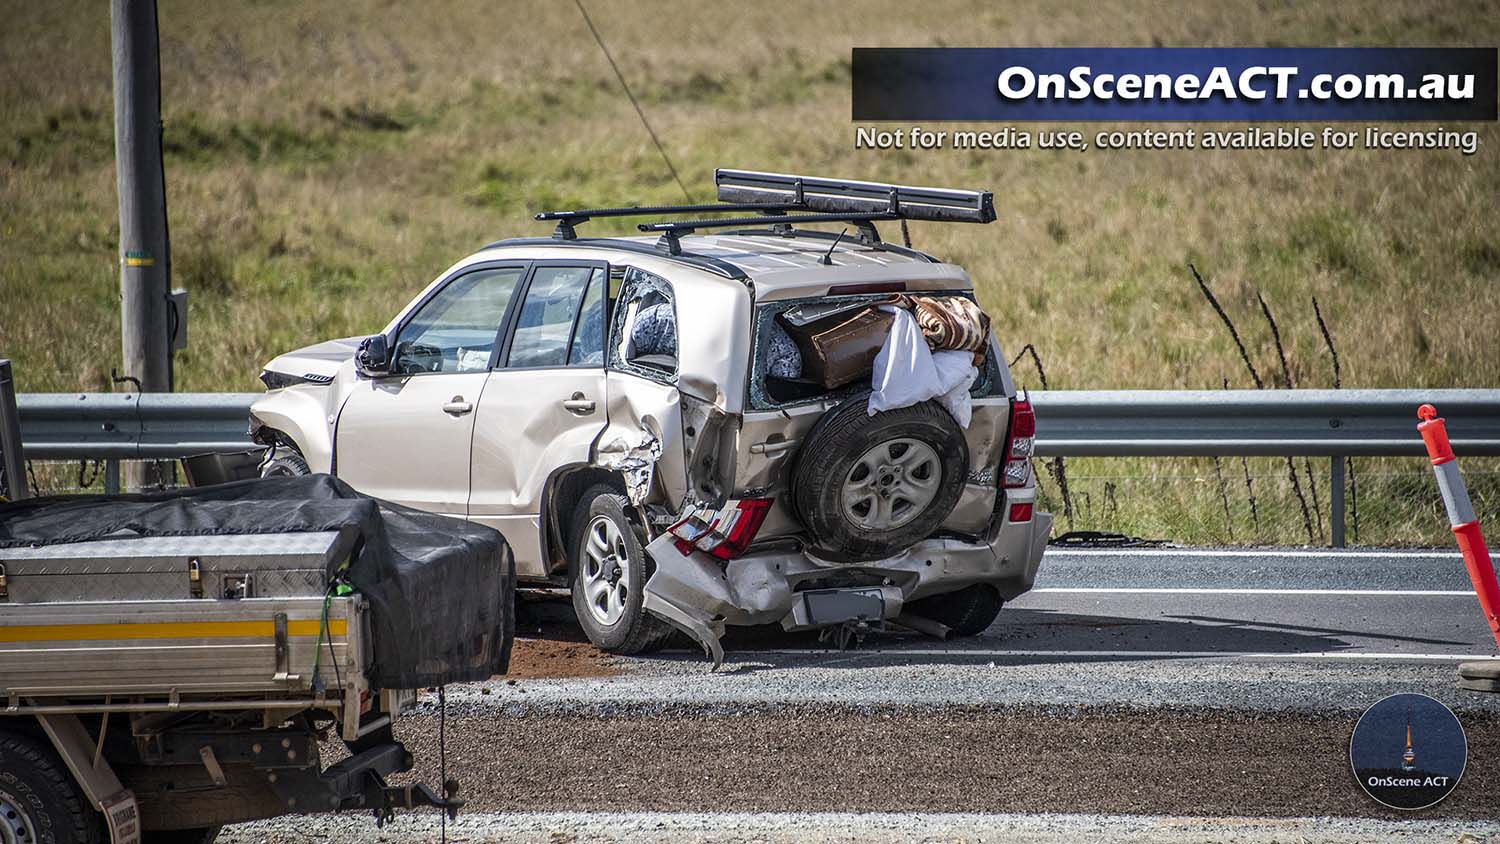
(278, 380)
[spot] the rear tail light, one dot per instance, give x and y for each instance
(725, 533)
(1020, 444)
(1020, 512)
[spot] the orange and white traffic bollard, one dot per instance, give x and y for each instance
(1461, 515)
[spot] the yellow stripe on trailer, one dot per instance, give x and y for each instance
(166, 630)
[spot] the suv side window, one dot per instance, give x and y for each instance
(455, 330)
(561, 317)
(588, 337)
(643, 337)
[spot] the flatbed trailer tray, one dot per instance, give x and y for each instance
(187, 654)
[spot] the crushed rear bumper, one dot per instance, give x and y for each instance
(701, 595)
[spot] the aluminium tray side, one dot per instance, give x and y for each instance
(181, 647)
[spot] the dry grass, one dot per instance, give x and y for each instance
(324, 160)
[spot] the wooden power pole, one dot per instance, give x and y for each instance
(145, 265)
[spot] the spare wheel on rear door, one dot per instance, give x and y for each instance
(867, 487)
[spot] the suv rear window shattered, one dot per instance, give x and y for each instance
(777, 376)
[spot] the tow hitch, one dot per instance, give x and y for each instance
(417, 796)
(359, 782)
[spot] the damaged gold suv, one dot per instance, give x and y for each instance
(731, 420)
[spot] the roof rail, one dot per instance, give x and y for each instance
(714, 265)
(568, 220)
(814, 193)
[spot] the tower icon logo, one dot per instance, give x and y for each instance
(1409, 758)
(1408, 751)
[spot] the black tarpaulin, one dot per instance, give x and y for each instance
(441, 590)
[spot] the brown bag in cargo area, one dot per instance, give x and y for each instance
(841, 347)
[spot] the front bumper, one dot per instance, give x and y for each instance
(702, 595)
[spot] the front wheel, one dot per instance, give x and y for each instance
(285, 462)
(39, 801)
(610, 570)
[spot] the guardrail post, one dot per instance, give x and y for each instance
(1336, 500)
(111, 477)
(10, 436)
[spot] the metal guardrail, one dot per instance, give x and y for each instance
(133, 426)
(1117, 423)
(1258, 423)
(1085, 423)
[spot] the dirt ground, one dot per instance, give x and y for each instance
(557, 655)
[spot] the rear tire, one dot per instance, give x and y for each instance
(610, 570)
(39, 801)
(967, 612)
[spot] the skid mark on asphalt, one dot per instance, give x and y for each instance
(1159, 553)
(1195, 590)
(1000, 653)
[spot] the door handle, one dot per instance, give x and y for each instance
(578, 405)
(457, 406)
(772, 448)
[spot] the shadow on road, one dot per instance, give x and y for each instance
(1026, 636)
(1388, 637)
(1019, 637)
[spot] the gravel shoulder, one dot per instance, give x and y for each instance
(967, 759)
(859, 828)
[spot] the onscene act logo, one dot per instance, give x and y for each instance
(1408, 751)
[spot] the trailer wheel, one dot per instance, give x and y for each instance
(39, 801)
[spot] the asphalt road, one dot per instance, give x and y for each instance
(1173, 695)
(1265, 630)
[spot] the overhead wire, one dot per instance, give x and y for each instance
(633, 101)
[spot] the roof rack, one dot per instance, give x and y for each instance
(784, 200)
(672, 231)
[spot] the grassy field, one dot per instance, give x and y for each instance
(325, 160)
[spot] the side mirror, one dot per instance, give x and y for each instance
(373, 357)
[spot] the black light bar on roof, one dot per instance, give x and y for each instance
(841, 196)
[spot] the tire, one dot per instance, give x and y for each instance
(39, 797)
(609, 574)
(287, 462)
(867, 487)
(967, 612)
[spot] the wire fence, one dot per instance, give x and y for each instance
(1389, 501)
(80, 477)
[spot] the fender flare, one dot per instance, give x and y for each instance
(559, 498)
(302, 416)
